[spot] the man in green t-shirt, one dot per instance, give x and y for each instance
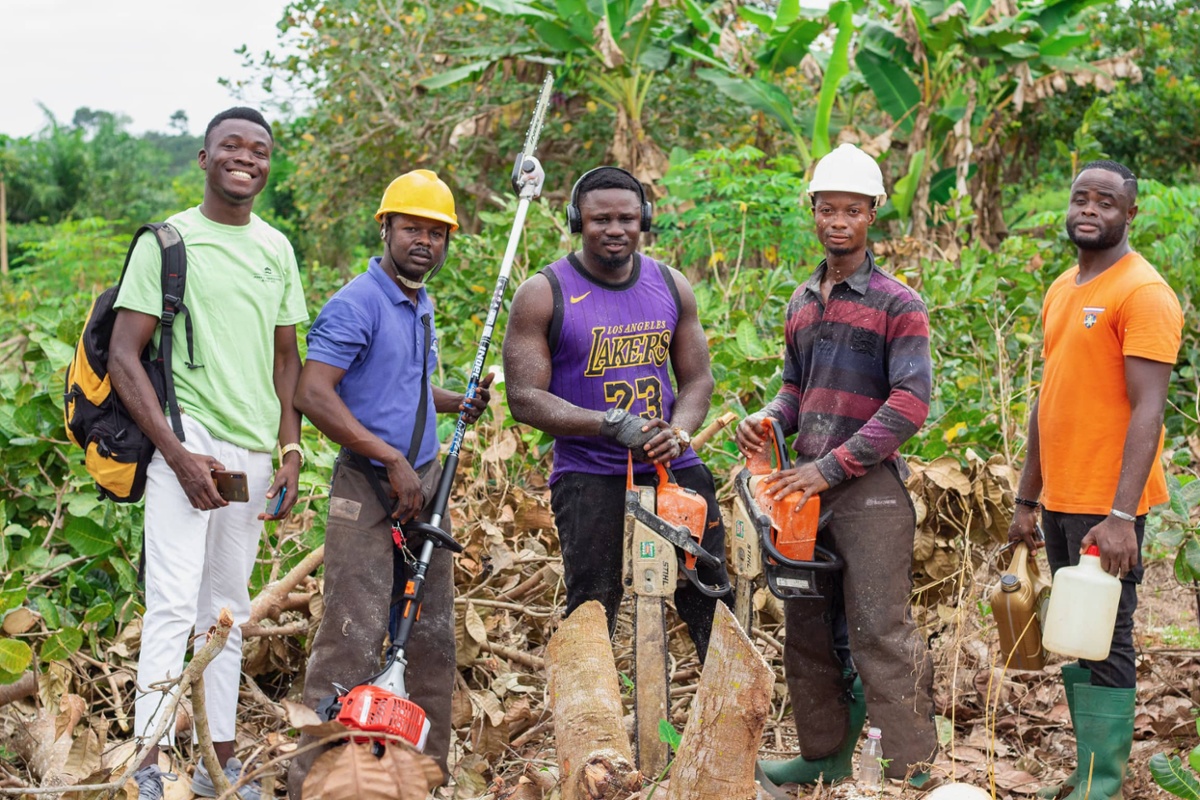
(244, 299)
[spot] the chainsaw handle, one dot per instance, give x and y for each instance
(437, 536)
(706, 589)
(664, 477)
(773, 432)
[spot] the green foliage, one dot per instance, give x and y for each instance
(668, 735)
(92, 168)
(1152, 129)
(1170, 774)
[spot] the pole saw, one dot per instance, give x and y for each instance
(381, 704)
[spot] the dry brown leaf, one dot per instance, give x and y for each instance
(352, 772)
(18, 621)
(946, 473)
(610, 51)
(73, 707)
(502, 449)
(461, 710)
(467, 647)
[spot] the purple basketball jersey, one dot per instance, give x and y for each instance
(610, 347)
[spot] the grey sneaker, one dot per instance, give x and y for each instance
(149, 781)
(202, 785)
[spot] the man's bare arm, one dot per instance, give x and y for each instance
(131, 333)
(527, 367)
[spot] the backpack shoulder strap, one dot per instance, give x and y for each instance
(174, 281)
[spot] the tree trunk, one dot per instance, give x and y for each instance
(720, 742)
(594, 757)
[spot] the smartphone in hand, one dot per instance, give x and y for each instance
(276, 503)
(231, 486)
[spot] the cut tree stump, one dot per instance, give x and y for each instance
(594, 757)
(715, 760)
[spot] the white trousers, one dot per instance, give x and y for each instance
(197, 562)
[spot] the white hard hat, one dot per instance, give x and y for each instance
(848, 169)
(958, 791)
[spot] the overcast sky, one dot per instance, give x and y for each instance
(141, 58)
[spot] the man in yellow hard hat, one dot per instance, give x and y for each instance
(857, 378)
(367, 385)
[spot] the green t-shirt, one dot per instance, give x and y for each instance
(242, 283)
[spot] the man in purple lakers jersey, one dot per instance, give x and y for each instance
(591, 343)
(856, 382)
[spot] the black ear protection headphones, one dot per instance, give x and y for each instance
(575, 219)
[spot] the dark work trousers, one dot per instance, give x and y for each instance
(871, 526)
(1064, 534)
(589, 511)
(359, 583)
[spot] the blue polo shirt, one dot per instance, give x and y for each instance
(373, 331)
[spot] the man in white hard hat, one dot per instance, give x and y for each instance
(856, 384)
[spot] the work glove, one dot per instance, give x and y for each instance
(626, 429)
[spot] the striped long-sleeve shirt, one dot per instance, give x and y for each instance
(857, 372)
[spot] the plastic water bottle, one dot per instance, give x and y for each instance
(870, 770)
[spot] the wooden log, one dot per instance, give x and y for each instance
(720, 741)
(594, 757)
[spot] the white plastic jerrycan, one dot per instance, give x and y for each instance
(1083, 609)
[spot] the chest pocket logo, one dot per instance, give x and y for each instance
(863, 341)
(1091, 314)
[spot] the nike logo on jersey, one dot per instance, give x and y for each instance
(575, 299)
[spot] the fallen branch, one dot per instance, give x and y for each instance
(516, 607)
(25, 686)
(516, 656)
(218, 635)
(291, 629)
(718, 424)
(271, 600)
(208, 753)
(527, 586)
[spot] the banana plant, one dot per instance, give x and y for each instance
(943, 70)
(613, 49)
(788, 35)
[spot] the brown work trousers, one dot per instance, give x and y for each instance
(871, 527)
(358, 589)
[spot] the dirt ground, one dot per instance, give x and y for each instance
(509, 598)
(1032, 741)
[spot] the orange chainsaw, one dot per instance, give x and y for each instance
(664, 526)
(775, 538)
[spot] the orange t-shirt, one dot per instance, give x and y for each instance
(1083, 413)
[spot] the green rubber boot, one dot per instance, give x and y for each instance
(832, 768)
(1103, 737)
(1072, 675)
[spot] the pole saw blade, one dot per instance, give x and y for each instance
(535, 131)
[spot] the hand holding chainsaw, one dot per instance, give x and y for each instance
(648, 439)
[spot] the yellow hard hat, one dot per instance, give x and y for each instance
(420, 193)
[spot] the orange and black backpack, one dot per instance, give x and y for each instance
(116, 451)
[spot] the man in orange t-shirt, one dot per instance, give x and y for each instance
(1112, 329)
